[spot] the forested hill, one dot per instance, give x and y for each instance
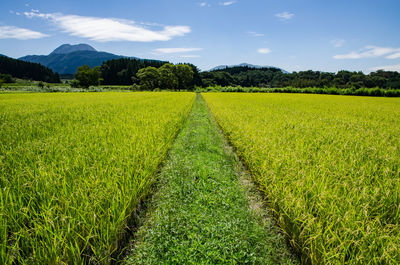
(27, 70)
(120, 71)
(274, 77)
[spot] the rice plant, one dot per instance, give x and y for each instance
(329, 166)
(73, 167)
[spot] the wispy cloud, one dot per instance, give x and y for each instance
(386, 68)
(285, 16)
(394, 55)
(175, 50)
(11, 32)
(204, 4)
(371, 52)
(255, 34)
(109, 29)
(227, 3)
(337, 43)
(264, 50)
(16, 13)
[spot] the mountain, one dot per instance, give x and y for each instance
(222, 67)
(27, 70)
(67, 58)
(67, 48)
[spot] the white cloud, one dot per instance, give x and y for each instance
(371, 52)
(175, 50)
(227, 3)
(387, 68)
(264, 50)
(285, 15)
(337, 43)
(255, 34)
(110, 29)
(11, 32)
(16, 13)
(394, 55)
(204, 4)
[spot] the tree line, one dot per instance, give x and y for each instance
(152, 74)
(25, 70)
(121, 71)
(149, 75)
(141, 74)
(273, 77)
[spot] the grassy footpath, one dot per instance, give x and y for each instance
(201, 213)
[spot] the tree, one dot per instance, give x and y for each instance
(168, 78)
(148, 78)
(184, 74)
(74, 83)
(120, 71)
(7, 78)
(41, 85)
(196, 76)
(26, 70)
(87, 76)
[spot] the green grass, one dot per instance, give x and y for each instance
(75, 166)
(329, 166)
(201, 213)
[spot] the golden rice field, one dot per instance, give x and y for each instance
(329, 166)
(73, 168)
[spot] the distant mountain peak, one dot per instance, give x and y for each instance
(68, 48)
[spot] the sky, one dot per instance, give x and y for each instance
(295, 35)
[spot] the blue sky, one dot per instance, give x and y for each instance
(326, 35)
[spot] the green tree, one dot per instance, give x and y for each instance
(120, 71)
(41, 85)
(168, 78)
(184, 73)
(148, 78)
(87, 76)
(7, 78)
(196, 76)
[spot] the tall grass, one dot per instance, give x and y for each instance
(329, 165)
(74, 167)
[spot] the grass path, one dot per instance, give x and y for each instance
(201, 213)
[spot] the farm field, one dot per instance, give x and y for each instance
(329, 166)
(75, 166)
(201, 213)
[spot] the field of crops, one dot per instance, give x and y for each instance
(73, 167)
(329, 165)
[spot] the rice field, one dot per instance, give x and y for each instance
(73, 168)
(329, 166)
